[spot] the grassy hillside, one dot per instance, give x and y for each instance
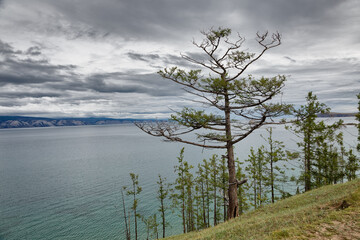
(331, 212)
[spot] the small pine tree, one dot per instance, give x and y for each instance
(136, 190)
(154, 226)
(163, 192)
(214, 172)
(151, 226)
(189, 186)
(257, 170)
(147, 223)
(198, 213)
(342, 154)
(179, 187)
(183, 188)
(127, 229)
(275, 154)
(327, 144)
(206, 177)
(242, 102)
(202, 187)
(314, 135)
(352, 166)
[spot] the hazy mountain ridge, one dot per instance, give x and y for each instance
(336, 114)
(29, 122)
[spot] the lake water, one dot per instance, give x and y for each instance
(64, 182)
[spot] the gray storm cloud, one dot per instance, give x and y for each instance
(88, 57)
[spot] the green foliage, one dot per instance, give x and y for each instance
(135, 191)
(183, 192)
(214, 35)
(314, 135)
(196, 119)
(307, 114)
(327, 162)
(274, 155)
(215, 183)
(352, 166)
(191, 77)
(257, 171)
(325, 159)
(202, 198)
(151, 226)
(223, 185)
(266, 169)
(203, 181)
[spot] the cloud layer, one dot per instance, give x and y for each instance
(100, 58)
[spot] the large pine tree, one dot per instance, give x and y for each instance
(232, 104)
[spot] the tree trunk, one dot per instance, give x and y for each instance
(233, 210)
(136, 235)
(163, 216)
(129, 226)
(125, 217)
(240, 201)
(207, 203)
(272, 177)
(307, 176)
(183, 216)
(224, 197)
(255, 194)
(183, 211)
(203, 203)
(215, 210)
(260, 184)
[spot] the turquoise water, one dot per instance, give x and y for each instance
(64, 182)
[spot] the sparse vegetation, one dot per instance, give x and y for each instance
(332, 210)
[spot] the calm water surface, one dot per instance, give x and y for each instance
(64, 182)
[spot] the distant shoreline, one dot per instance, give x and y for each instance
(335, 114)
(11, 122)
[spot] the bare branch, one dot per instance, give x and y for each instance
(252, 128)
(168, 131)
(209, 101)
(276, 41)
(212, 68)
(258, 103)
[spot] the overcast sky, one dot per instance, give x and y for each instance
(81, 58)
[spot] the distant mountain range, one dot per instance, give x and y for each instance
(29, 122)
(336, 114)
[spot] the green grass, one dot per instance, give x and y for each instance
(316, 214)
